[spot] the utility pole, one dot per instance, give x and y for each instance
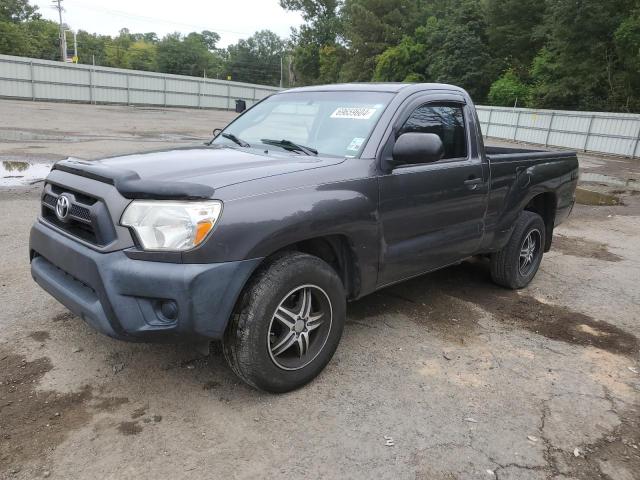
(281, 77)
(63, 48)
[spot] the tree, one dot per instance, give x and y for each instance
(210, 39)
(141, 55)
(92, 47)
(580, 66)
(458, 50)
(331, 60)
(451, 48)
(188, 55)
(43, 38)
(256, 59)
(17, 11)
(509, 90)
(627, 41)
(13, 39)
(514, 32)
(322, 30)
(116, 50)
(372, 26)
(404, 62)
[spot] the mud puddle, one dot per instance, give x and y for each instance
(579, 247)
(448, 317)
(590, 197)
(19, 173)
(609, 181)
(440, 301)
(33, 422)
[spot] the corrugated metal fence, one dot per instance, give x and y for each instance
(609, 133)
(46, 80)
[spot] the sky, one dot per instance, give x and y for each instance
(231, 19)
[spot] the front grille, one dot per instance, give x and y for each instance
(49, 200)
(78, 229)
(82, 221)
(80, 197)
(80, 212)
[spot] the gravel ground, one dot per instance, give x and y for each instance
(442, 377)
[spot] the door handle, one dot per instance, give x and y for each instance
(473, 183)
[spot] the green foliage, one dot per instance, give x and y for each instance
(188, 55)
(514, 31)
(322, 30)
(581, 66)
(403, 61)
(451, 48)
(456, 48)
(509, 90)
(331, 60)
(16, 11)
(372, 26)
(574, 54)
(256, 59)
(141, 55)
(571, 54)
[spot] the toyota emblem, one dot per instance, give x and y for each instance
(62, 207)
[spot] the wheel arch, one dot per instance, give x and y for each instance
(337, 250)
(545, 205)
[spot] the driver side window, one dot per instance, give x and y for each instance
(446, 121)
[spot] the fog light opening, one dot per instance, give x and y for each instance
(169, 309)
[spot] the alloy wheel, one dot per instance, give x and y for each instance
(300, 327)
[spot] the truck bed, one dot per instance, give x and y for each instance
(506, 154)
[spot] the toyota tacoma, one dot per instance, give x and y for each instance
(313, 197)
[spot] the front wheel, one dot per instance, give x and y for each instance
(517, 263)
(287, 324)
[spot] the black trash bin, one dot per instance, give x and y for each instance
(241, 106)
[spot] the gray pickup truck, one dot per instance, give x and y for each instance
(312, 197)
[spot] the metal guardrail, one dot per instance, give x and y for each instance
(36, 79)
(597, 132)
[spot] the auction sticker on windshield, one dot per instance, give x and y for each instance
(355, 144)
(353, 113)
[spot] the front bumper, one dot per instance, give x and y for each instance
(122, 297)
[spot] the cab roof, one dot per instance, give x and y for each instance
(377, 87)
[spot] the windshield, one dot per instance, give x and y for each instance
(332, 123)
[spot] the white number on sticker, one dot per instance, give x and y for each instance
(354, 113)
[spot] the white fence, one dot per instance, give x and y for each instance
(609, 133)
(27, 78)
(35, 79)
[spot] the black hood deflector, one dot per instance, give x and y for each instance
(131, 186)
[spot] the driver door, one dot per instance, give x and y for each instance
(432, 214)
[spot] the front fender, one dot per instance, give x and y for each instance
(257, 226)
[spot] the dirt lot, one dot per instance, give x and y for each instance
(467, 379)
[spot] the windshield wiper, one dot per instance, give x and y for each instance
(289, 145)
(235, 139)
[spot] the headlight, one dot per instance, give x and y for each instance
(168, 225)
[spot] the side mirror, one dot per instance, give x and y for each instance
(411, 148)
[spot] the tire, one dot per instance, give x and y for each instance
(508, 268)
(255, 339)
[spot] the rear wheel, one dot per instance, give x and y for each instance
(517, 263)
(287, 324)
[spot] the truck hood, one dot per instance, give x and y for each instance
(192, 172)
